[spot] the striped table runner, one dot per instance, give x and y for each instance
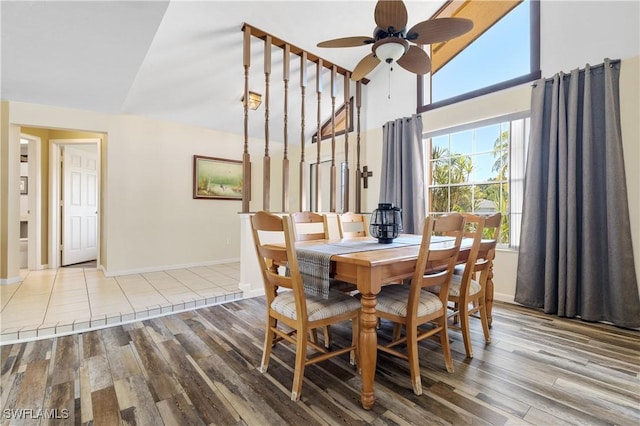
(314, 262)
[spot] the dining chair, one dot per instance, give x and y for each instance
(310, 226)
(409, 306)
(294, 309)
(467, 289)
(352, 225)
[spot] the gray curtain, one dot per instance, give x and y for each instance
(402, 175)
(576, 257)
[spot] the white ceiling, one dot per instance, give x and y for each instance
(179, 61)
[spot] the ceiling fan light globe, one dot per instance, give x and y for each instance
(391, 50)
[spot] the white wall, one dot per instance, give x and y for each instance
(629, 116)
(153, 219)
(574, 33)
(386, 100)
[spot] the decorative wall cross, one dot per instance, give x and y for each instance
(365, 175)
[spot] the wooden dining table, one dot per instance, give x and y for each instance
(369, 271)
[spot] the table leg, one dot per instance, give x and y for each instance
(488, 305)
(368, 345)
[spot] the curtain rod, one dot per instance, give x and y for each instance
(612, 62)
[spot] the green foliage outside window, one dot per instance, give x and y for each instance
(474, 180)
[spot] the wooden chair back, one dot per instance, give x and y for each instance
(435, 265)
(489, 238)
(352, 225)
(310, 226)
(271, 256)
(473, 232)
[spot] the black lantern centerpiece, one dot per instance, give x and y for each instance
(386, 223)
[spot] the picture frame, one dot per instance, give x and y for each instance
(217, 178)
(24, 185)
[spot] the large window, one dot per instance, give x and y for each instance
(479, 169)
(505, 55)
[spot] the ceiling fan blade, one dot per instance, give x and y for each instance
(365, 66)
(415, 60)
(347, 42)
(391, 13)
(439, 29)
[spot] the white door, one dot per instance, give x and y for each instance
(79, 204)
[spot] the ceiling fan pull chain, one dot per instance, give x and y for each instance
(389, 93)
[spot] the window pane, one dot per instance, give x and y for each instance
(501, 164)
(439, 198)
(440, 172)
(460, 169)
(461, 142)
(477, 179)
(483, 168)
(462, 198)
(440, 144)
(500, 54)
(486, 138)
(487, 198)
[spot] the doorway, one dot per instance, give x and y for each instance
(75, 196)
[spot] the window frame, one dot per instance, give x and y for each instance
(515, 178)
(534, 74)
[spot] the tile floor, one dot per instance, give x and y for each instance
(55, 302)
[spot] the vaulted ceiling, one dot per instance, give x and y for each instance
(175, 60)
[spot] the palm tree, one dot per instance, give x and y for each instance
(448, 170)
(501, 166)
(501, 153)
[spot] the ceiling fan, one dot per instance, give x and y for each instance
(391, 39)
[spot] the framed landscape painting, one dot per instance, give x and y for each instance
(217, 178)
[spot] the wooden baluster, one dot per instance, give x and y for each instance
(347, 123)
(358, 172)
(319, 70)
(332, 180)
(266, 181)
(303, 170)
(246, 159)
(285, 161)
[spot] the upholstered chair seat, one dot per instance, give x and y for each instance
(394, 299)
(318, 307)
(454, 286)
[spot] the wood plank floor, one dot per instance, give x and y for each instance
(200, 367)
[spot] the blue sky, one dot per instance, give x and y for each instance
(479, 142)
(499, 54)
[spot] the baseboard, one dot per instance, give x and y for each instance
(248, 291)
(108, 273)
(9, 281)
(503, 297)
